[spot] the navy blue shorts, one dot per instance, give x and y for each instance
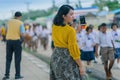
(117, 54)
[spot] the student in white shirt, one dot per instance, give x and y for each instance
(38, 31)
(34, 38)
(116, 41)
(28, 36)
(105, 40)
(45, 37)
(97, 39)
(80, 37)
(88, 47)
(94, 33)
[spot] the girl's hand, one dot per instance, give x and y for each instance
(82, 72)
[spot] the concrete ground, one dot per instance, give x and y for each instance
(32, 68)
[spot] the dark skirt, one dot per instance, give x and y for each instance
(117, 54)
(87, 55)
(62, 66)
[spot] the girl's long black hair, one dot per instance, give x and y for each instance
(63, 10)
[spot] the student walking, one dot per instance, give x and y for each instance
(88, 48)
(116, 41)
(15, 31)
(45, 37)
(105, 40)
(65, 61)
(3, 32)
(79, 36)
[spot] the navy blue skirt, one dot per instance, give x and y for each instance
(87, 55)
(117, 54)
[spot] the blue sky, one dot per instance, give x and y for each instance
(7, 7)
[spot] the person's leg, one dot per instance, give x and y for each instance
(4, 38)
(117, 55)
(110, 67)
(104, 56)
(9, 53)
(111, 58)
(18, 50)
(89, 62)
(33, 45)
(88, 67)
(95, 56)
(106, 68)
(36, 45)
(45, 43)
(118, 61)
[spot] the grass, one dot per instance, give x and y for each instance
(38, 55)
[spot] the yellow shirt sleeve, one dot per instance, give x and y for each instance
(73, 46)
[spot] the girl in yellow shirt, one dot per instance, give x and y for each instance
(65, 61)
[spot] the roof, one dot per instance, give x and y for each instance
(84, 11)
(102, 13)
(115, 11)
(87, 8)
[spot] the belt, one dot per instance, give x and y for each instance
(106, 47)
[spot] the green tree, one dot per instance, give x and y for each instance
(110, 4)
(113, 5)
(33, 14)
(100, 4)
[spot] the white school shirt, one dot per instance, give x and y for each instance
(79, 36)
(45, 33)
(83, 31)
(105, 39)
(88, 42)
(116, 36)
(38, 30)
(95, 34)
(31, 33)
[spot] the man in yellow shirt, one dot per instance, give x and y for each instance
(15, 31)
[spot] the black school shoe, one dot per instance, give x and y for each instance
(5, 78)
(19, 77)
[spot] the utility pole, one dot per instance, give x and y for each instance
(79, 3)
(53, 2)
(28, 8)
(53, 7)
(68, 1)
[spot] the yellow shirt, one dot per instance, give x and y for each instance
(26, 27)
(13, 31)
(65, 37)
(3, 30)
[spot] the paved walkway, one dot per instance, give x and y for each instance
(35, 69)
(32, 67)
(98, 69)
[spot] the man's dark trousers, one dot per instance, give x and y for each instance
(13, 46)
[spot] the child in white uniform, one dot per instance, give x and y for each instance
(88, 47)
(116, 41)
(80, 37)
(105, 40)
